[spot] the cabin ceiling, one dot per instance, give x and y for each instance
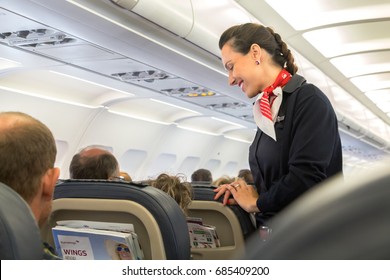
(348, 41)
(116, 57)
(69, 36)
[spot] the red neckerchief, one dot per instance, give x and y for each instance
(281, 80)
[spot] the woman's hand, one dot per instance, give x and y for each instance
(223, 190)
(244, 195)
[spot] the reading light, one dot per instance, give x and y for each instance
(197, 94)
(194, 91)
(22, 34)
(147, 76)
(24, 38)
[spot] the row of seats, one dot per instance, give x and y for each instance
(338, 220)
(158, 220)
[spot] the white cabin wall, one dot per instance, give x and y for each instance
(123, 134)
(146, 143)
(152, 144)
(140, 145)
(233, 155)
(66, 121)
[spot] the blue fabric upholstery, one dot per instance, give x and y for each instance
(19, 233)
(163, 208)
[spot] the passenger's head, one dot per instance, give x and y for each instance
(246, 174)
(177, 187)
(27, 155)
(94, 163)
(223, 180)
(125, 176)
(252, 54)
(202, 176)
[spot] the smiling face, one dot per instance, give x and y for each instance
(123, 252)
(242, 69)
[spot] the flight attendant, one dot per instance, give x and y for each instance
(297, 144)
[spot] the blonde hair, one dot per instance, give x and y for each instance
(223, 180)
(177, 187)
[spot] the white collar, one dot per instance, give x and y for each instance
(265, 124)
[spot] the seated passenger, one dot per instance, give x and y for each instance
(246, 174)
(94, 163)
(125, 176)
(27, 155)
(177, 187)
(202, 176)
(223, 180)
(201, 235)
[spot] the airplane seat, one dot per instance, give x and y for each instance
(339, 219)
(202, 192)
(19, 233)
(199, 184)
(232, 223)
(158, 220)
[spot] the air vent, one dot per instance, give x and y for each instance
(35, 38)
(238, 109)
(147, 76)
(189, 92)
(232, 105)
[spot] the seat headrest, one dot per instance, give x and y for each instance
(206, 193)
(161, 206)
(19, 233)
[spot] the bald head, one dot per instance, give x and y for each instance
(93, 163)
(93, 152)
(10, 120)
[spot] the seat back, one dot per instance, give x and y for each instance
(158, 220)
(341, 219)
(233, 224)
(19, 233)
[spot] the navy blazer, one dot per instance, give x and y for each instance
(307, 150)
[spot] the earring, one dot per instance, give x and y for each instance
(257, 62)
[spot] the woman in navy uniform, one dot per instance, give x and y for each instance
(297, 144)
